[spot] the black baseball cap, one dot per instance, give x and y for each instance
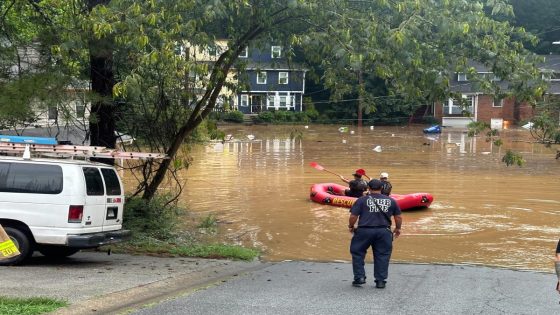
(375, 184)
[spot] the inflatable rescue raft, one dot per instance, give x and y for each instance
(333, 195)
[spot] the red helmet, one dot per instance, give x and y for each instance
(360, 172)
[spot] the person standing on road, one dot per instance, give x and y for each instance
(373, 215)
(358, 185)
(387, 187)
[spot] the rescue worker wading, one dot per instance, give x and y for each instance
(373, 215)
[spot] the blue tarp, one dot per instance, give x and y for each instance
(28, 140)
(433, 129)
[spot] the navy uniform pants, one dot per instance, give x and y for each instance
(381, 239)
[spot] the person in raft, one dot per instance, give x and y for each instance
(387, 187)
(373, 215)
(357, 186)
(557, 265)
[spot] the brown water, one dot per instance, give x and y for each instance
(483, 213)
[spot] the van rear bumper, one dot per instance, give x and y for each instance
(97, 239)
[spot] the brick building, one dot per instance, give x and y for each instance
(479, 106)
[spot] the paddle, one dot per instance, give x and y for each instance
(321, 168)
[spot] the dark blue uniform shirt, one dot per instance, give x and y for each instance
(357, 188)
(369, 209)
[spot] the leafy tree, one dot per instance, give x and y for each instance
(166, 90)
(542, 18)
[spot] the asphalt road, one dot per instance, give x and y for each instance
(96, 283)
(325, 288)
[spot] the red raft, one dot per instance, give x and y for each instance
(333, 195)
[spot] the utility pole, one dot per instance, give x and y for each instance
(360, 95)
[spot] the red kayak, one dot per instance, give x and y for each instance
(333, 195)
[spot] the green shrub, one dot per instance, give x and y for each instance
(234, 116)
(266, 116)
(312, 114)
(155, 218)
(302, 117)
(513, 158)
(216, 116)
(431, 120)
(208, 222)
(280, 116)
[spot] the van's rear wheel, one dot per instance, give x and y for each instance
(55, 251)
(22, 242)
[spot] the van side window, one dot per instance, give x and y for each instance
(112, 184)
(94, 183)
(30, 178)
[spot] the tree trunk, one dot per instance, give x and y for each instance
(203, 108)
(102, 125)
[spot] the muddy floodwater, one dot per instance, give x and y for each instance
(483, 212)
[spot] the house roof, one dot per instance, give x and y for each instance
(550, 63)
(276, 65)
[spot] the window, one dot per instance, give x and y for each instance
(498, 102)
(30, 178)
(80, 109)
(244, 53)
(94, 183)
(490, 76)
(179, 49)
(271, 101)
(462, 77)
(551, 76)
(244, 100)
(282, 77)
(283, 101)
(53, 112)
(276, 52)
(261, 77)
(212, 51)
(112, 184)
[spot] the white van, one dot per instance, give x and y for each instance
(59, 206)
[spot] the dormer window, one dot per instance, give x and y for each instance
(462, 77)
(276, 52)
(551, 76)
(490, 76)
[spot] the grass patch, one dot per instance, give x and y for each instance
(216, 251)
(186, 249)
(29, 306)
(155, 232)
